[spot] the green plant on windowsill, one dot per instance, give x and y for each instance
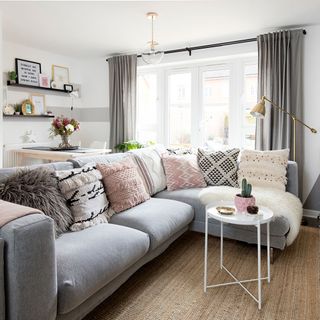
(128, 145)
(132, 145)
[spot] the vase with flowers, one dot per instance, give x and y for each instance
(64, 127)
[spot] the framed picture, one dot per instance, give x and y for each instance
(27, 107)
(39, 103)
(60, 75)
(44, 81)
(28, 72)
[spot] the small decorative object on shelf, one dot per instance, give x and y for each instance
(17, 109)
(68, 87)
(252, 209)
(12, 75)
(44, 81)
(245, 199)
(39, 103)
(8, 110)
(64, 127)
(27, 107)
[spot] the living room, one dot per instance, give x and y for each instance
(159, 160)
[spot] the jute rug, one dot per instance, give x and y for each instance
(171, 286)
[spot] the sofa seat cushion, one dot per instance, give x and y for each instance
(278, 227)
(160, 218)
(88, 260)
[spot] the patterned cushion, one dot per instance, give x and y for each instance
(150, 168)
(219, 168)
(264, 168)
(182, 172)
(123, 184)
(85, 195)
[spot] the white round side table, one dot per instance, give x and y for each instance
(265, 215)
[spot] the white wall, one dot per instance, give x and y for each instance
(91, 74)
(311, 111)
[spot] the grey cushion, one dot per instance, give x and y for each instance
(87, 260)
(105, 158)
(279, 227)
(159, 218)
(7, 172)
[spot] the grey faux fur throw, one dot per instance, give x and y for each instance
(38, 189)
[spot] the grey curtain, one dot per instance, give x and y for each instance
(280, 80)
(122, 98)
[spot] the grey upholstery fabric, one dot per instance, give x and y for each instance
(159, 218)
(7, 172)
(122, 98)
(278, 228)
(293, 178)
(106, 158)
(30, 268)
(280, 80)
(106, 291)
(2, 293)
(89, 259)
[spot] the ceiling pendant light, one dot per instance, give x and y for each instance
(153, 53)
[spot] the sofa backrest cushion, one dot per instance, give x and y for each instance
(104, 158)
(7, 172)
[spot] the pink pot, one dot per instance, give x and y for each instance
(242, 203)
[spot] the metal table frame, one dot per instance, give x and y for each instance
(257, 223)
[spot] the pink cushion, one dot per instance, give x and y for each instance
(182, 172)
(124, 186)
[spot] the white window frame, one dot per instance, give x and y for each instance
(236, 66)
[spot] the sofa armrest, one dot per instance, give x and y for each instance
(2, 297)
(293, 179)
(30, 268)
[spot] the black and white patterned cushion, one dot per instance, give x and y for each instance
(219, 168)
(85, 196)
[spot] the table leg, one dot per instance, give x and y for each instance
(205, 254)
(268, 249)
(259, 265)
(221, 244)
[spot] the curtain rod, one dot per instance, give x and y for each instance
(212, 45)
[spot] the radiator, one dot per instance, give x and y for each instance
(11, 158)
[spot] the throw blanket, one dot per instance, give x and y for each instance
(10, 211)
(282, 203)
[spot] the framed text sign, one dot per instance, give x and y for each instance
(28, 72)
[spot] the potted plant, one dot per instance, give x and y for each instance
(129, 145)
(245, 199)
(17, 109)
(12, 75)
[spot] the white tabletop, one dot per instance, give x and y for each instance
(265, 215)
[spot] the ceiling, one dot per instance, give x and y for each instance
(103, 28)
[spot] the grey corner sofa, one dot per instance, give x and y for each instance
(43, 278)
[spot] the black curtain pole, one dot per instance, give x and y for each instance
(213, 45)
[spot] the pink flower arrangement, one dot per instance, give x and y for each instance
(64, 126)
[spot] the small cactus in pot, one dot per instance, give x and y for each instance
(245, 198)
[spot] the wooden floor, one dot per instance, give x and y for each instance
(171, 286)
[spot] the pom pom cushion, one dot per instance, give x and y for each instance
(219, 168)
(38, 189)
(264, 168)
(85, 195)
(182, 172)
(123, 184)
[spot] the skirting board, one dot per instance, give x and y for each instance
(311, 213)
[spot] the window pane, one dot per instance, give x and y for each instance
(179, 99)
(147, 97)
(250, 99)
(216, 86)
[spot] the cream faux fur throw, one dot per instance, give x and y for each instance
(282, 203)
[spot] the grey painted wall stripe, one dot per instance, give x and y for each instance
(83, 114)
